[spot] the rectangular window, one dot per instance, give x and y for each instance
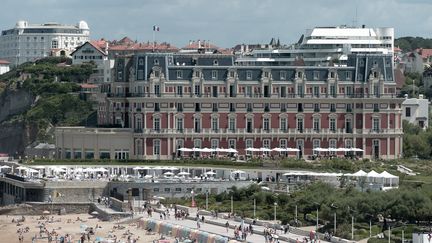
(316, 91)
(332, 90)
(197, 124)
(300, 124)
(283, 124)
(156, 107)
(316, 75)
(215, 124)
(214, 143)
(231, 124)
(249, 144)
(231, 107)
(316, 144)
(214, 74)
(231, 74)
(376, 126)
(140, 75)
(300, 91)
(332, 124)
(197, 90)
(179, 124)
(283, 92)
(283, 75)
(248, 91)
(156, 147)
(266, 124)
(332, 107)
(408, 112)
(348, 90)
(232, 143)
(348, 75)
(249, 107)
(156, 124)
(283, 107)
(249, 75)
(316, 107)
(197, 107)
(179, 107)
(214, 107)
(316, 124)
(157, 90)
(179, 74)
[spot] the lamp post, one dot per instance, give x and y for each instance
(207, 199)
(254, 208)
(232, 205)
(351, 211)
(317, 215)
(295, 220)
(275, 222)
(333, 206)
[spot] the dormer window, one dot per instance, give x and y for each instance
(231, 74)
(140, 61)
(215, 62)
(156, 62)
(197, 74)
(179, 74)
(332, 74)
(299, 74)
(282, 75)
(375, 74)
(362, 63)
(316, 75)
(348, 75)
(214, 74)
(248, 75)
(266, 74)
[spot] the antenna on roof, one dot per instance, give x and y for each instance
(355, 18)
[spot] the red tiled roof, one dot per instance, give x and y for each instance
(425, 53)
(126, 40)
(397, 49)
(88, 86)
(99, 45)
(200, 44)
(143, 47)
(4, 62)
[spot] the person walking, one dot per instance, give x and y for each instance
(227, 226)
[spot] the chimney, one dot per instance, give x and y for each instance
(106, 47)
(199, 43)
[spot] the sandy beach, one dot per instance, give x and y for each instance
(73, 224)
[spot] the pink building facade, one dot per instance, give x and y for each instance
(170, 101)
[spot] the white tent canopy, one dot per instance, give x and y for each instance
(373, 173)
(386, 175)
(360, 173)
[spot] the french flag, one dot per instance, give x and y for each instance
(155, 28)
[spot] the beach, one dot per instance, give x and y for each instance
(74, 225)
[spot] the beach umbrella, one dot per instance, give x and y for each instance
(94, 213)
(293, 150)
(210, 173)
(168, 173)
(207, 150)
(232, 150)
(46, 212)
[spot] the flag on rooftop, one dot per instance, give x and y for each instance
(155, 28)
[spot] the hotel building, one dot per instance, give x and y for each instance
(161, 102)
(29, 42)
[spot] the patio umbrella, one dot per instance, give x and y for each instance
(94, 213)
(46, 212)
(168, 173)
(253, 149)
(293, 150)
(356, 150)
(279, 149)
(21, 168)
(321, 149)
(265, 149)
(137, 168)
(183, 173)
(210, 173)
(207, 150)
(185, 149)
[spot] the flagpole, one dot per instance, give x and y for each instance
(154, 37)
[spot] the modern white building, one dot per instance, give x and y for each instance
(4, 66)
(416, 111)
(29, 42)
(322, 46)
(96, 52)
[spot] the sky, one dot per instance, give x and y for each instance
(223, 22)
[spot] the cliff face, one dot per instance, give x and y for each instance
(15, 135)
(14, 102)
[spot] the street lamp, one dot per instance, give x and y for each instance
(207, 199)
(254, 208)
(317, 213)
(352, 211)
(275, 205)
(334, 206)
(232, 206)
(370, 224)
